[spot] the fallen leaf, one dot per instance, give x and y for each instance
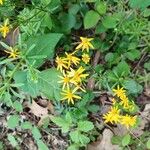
(105, 143)
(37, 110)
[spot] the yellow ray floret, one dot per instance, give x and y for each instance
(85, 44)
(70, 95)
(1, 2)
(4, 29)
(61, 63)
(128, 121)
(113, 116)
(119, 92)
(77, 75)
(65, 80)
(85, 58)
(13, 53)
(71, 59)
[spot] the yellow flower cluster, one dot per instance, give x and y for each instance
(1, 2)
(5, 28)
(13, 53)
(115, 115)
(72, 72)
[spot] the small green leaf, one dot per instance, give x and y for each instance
(132, 86)
(139, 3)
(147, 66)
(18, 106)
(36, 133)
(85, 126)
(26, 125)
(109, 57)
(109, 22)
(84, 139)
(101, 7)
(13, 121)
(126, 140)
(74, 135)
(42, 145)
(148, 144)
(12, 140)
(91, 19)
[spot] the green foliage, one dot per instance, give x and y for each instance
(91, 19)
(43, 29)
(126, 140)
(43, 49)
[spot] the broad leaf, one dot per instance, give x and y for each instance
(91, 19)
(44, 48)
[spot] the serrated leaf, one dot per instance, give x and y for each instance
(13, 121)
(91, 19)
(84, 139)
(74, 135)
(126, 140)
(132, 86)
(85, 126)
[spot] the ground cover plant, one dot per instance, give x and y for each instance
(74, 74)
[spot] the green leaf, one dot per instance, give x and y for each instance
(28, 86)
(68, 118)
(48, 21)
(74, 135)
(12, 140)
(61, 122)
(13, 121)
(84, 139)
(109, 22)
(132, 86)
(48, 83)
(109, 57)
(36, 133)
(26, 125)
(148, 144)
(101, 7)
(139, 3)
(126, 140)
(74, 9)
(73, 147)
(133, 54)
(45, 45)
(100, 28)
(116, 140)
(18, 106)
(93, 108)
(41, 145)
(91, 19)
(122, 69)
(147, 66)
(85, 126)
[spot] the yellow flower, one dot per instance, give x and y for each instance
(77, 75)
(1, 2)
(113, 116)
(69, 95)
(4, 29)
(124, 101)
(85, 58)
(119, 92)
(13, 53)
(61, 63)
(128, 121)
(85, 44)
(70, 58)
(65, 80)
